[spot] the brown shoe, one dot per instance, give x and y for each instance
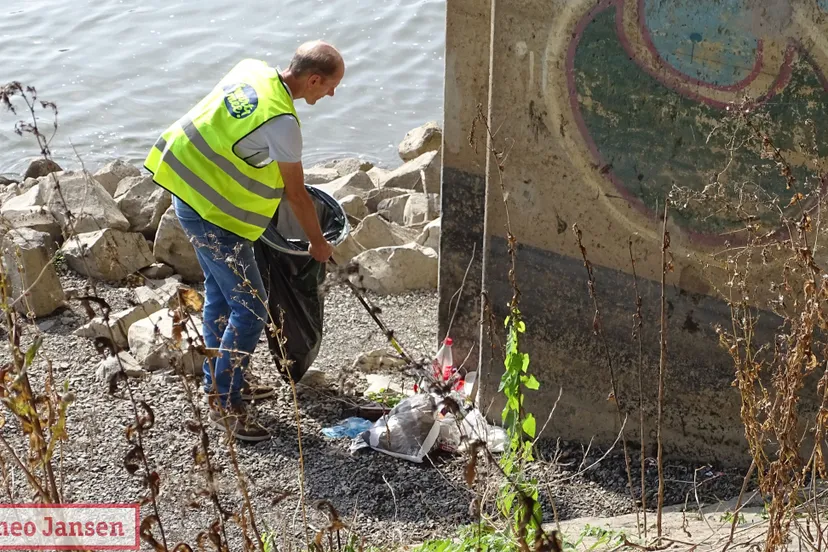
(239, 423)
(256, 391)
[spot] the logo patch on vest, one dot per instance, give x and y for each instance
(240, 100)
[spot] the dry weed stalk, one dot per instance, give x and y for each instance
(773, 376)
(614, 396)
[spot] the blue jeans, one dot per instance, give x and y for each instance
(235, 311)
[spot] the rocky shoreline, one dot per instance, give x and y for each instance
(123, 227)
(131, 243)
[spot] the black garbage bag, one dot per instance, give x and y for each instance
(293, 279)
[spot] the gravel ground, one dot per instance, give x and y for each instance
(392, 501)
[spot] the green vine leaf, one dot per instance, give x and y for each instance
(531, 382)
(529, 426)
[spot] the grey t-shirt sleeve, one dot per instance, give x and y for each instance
(283, 139)
(279, 139)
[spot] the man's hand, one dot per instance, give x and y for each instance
(300, 201)
(322, 252)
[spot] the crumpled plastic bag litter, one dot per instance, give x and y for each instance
(409, 431)
(473, 427)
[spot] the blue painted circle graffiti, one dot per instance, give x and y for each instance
(240, 100)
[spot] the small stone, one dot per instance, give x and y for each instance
(157, 271)
(113, 363)
(164, 292)
(314, 377)
(67, 320)
(47, 325)
(41, 167)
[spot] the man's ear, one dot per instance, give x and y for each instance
(314, 80)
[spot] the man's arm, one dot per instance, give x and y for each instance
(300, 201)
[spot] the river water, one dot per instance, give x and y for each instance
(121, 71)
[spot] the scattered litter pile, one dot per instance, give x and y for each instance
(438, 412)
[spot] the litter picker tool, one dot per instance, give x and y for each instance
(372, 312)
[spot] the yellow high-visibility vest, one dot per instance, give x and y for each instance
(194, 158)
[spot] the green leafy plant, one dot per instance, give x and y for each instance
(525, 515)
(385, 397)
(472, 538)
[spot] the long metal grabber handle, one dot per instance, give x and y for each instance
(388, 333)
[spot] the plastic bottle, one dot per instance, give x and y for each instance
(444, 363)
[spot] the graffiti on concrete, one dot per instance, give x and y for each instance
(648, 84)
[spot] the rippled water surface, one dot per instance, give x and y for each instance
(122, 70)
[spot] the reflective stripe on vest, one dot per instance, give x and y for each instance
(194, 158)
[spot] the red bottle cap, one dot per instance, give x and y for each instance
(449, 341)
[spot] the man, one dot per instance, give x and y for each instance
(228, 162)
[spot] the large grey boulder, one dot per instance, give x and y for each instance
(412, 174)
(174, 248)
(394, 270)
(393, 208)
(90, 204)
(420, 140)
(109, 255)
(111, 174)
(421, 208)
(374, 197)
(347, 250)
(118, 324)
(27, 211)
(374, 231)
(377, 175)
(142, 202)
(27, 259)
(163, 292)
(348, 165)
(430, 236)
(320, 175)
(354, 206)
(353, 183)
(156, 346)
(41, 167)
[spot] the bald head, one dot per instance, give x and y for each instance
(316, 57)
